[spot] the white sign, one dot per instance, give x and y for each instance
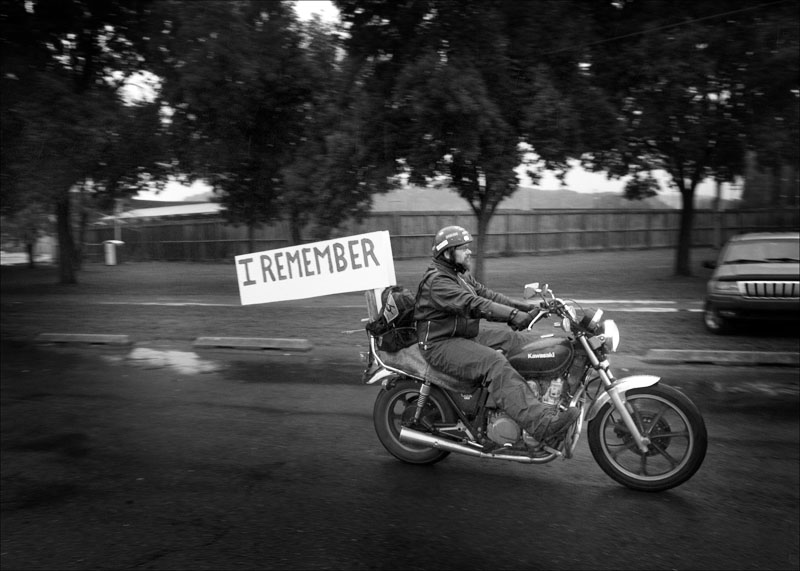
(353, 263)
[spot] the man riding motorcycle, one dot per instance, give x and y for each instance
(449, 306)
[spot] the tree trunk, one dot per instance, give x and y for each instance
(82, 222)
(484, 216)
(295, 228)
(29, 246)
(683, 256)
(66, 247)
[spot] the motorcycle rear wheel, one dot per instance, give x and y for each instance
(677, 433)
(395, 408)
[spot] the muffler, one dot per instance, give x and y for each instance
(410, 436)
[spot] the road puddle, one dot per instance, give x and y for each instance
(184, 362)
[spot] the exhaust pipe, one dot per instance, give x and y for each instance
(410, 436)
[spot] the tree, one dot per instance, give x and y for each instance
(773, 98)
(455, 90)
(27, 225)
(686, 81)
(61, 106)
(322, 187)
(235, 77)
(457, 130)
(259, 113)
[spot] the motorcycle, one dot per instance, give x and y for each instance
(645, 435)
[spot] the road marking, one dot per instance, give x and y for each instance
(168, 303)
(654, 310)
(605, 301)
(614, 301)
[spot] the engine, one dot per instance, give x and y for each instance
(501, 429)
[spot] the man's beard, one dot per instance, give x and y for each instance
(465, 266)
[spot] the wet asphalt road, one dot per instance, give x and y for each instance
(157, 457)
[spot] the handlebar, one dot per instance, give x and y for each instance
(553, 305)
(589, 325)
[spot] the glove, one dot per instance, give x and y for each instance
(519, 320)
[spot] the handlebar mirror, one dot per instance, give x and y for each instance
(531, 290)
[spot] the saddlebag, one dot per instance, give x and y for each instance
(394, 328)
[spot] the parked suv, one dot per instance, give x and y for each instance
(757, 276)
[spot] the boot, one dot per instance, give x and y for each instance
(553, 422)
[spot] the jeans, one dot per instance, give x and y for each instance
(478, 360)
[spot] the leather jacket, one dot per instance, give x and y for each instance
(451, 304)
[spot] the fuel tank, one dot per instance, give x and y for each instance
(543, 358)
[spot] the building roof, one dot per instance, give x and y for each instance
(188, 209)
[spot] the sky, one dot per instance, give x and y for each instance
(577, 179)
(326, 10)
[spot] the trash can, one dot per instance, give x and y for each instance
(110, 250)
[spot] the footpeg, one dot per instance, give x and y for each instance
(551, 450)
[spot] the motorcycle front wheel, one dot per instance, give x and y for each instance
(395, 407)
(677, 434)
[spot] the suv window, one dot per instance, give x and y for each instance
(762, 251)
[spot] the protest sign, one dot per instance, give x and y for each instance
(351, 263)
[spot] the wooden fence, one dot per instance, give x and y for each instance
(510, 232)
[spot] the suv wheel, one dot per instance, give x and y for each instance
(714, 322)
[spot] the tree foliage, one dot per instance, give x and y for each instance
(287, 119)
(455, 89)
(231, 76)
(692, 85)
(262, 112)
(64, 120)
(629, 87)
(327, 183)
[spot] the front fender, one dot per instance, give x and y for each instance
(623, 385)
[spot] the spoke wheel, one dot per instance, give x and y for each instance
(677, 435)
(395, 408)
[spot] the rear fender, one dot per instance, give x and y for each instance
(623, 385)
(380, 376)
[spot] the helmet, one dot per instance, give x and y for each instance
(450, 237)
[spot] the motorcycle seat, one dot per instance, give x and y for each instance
(411, 361)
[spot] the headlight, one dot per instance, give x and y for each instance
(723, 287)
(611, 335)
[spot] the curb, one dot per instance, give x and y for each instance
(653, 356)
(253, 343)
(83, 338)
(723, 357)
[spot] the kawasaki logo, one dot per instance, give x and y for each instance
(541, 355)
